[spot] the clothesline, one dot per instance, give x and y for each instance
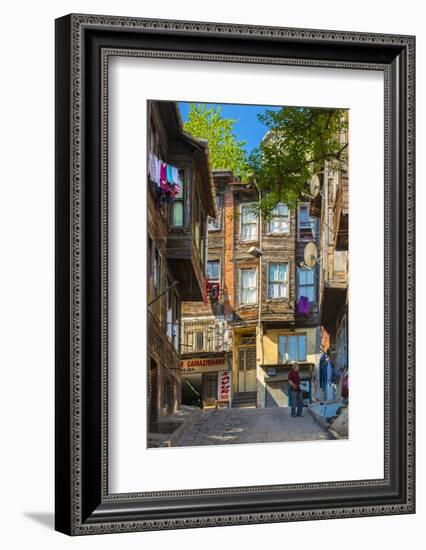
(164, 175)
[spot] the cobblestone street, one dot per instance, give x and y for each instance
(249, 425)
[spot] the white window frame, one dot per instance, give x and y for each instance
(220, 266)
(241, 288)
(297, 335)
(306, 269)
(248, 205)
(285, 282)
(280, 218)
(312, 223)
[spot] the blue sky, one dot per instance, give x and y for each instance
(247, 127)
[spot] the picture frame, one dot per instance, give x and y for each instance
(83, 502)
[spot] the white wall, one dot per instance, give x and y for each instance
(26, 301)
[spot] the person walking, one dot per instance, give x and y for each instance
(296, 394)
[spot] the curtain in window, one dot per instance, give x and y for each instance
(248, 286)
(277, 287)
(248, 223)
(279, 225)
(280, 222)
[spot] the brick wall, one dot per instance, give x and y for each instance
(228, 267)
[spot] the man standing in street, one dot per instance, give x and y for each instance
(296, 397)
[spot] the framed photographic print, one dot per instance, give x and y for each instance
(234, 274)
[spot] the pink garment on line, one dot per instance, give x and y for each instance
(163, 176)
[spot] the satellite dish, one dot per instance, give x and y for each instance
(314, 186)
(310, 255)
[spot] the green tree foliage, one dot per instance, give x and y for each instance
(225, 151)
(297, 143)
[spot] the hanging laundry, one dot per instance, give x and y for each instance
(151, 166)
(323, 371)
(176, 176)
(175, 190)
(154, 168)
(163, 176)
(157, 171)
(169, 174)
(329, 387)
(303, 305)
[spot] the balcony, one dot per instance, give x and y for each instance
(341, 215)
(186, 264)
(204, 337)
(334, 291)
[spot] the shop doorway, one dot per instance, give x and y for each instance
(246, 368)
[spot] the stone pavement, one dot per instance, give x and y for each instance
(249, 425)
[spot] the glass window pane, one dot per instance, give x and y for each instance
(302, 347)
(278, 272)
(249, 216)
(248, 286)
(303, 213)
(213, 270)
(178, 214)
(199, 340)
(282, 349)
(281, 209)
(252, 296)
(292, 348)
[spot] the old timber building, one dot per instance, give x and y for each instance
(180, 199)
(331, 207)
(260, 312)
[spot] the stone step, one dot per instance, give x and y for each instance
(244, 399)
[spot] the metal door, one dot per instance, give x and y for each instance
(246, 368)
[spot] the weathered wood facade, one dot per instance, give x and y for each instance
(333, 215)
(206, 337)
(176, 252)
(247, 247)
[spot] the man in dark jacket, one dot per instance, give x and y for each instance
(296, 397)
